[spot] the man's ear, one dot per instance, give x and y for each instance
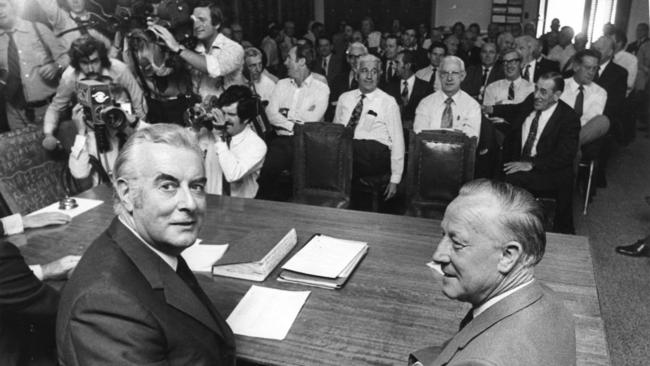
(125, 194)
(510, 254)
(302, 61)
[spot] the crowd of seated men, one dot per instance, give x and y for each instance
(552, 99)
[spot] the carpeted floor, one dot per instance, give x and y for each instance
(619, 215)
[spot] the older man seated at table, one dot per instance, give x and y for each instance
(374, 116)
(493, 239)
(450, 107)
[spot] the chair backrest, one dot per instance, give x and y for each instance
(34, 188)
(322, 159)
(440, 162)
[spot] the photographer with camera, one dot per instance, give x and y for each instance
(234, 153)
(217, 61)
(89, 62)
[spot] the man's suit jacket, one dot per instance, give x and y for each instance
(543, 66)
(613, 78)
(529, 327)
(557, 145)
(27, 313)
(125, 306)
(474, 73)
(334, 67)
(385, 80)
(421, 89)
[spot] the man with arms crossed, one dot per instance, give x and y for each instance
(493, 238)
(133, 300)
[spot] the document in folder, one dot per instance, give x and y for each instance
(325, 256)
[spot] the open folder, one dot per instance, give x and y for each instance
(324, 262)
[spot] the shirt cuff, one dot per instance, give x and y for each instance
(13, 224)
(37, 270)
(78, 146)
(396, 178)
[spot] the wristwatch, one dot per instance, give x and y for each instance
(180, 49)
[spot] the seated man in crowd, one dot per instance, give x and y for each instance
(31, 61)
(298, 99)
(328, 63)
(540, 150)
(89, 61)
(27, 305)
(132, 299)
(217, 61)
(587, 98)
(493, 237)
(408, 90)
(260, 81)
(511, 90)
(533, 64)
(563, 51)
(234, 155)
(347, 80)
(480, 76)
(449, 107)
(374, 116)
(437, 51)
(388, 60)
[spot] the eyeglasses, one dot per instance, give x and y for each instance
(446, 74)
(511, 62)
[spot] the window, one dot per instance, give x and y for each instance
(572, 12)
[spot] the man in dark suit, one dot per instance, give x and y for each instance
(408, 90)
(541, 147)
(533, 64)
(480, 76)
(493, 237)
(133, 300)
(389, 73)
(328, 64)
(612, 78)
(642, 30)
(347, 79)
(28, 307)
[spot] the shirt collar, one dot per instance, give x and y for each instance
(170, 260)
(546, 113)
(306, 82)
(240, 136)
(410, 80)
(453, 97)
(371, 95)
(19, 26)
(603, 66)
(476, 312)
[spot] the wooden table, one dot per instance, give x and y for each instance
(390, 306)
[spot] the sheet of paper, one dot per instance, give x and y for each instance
(201, 257)
(266, 312)
(325, 256)
(84, 204)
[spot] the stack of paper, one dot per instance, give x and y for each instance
(266, 312)
(324, 262)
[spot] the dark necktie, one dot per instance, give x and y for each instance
(532, 135)
(325, 66)
(447, 115)
(597, 76)
(526, 74)
(225, 185)
(356, 113)
(468, 318)
(14, 88)
(354, 84)
(405, 93)
(511, 91)
(432, 80)
(485, 76)
(187, 276)
(580, 100)
(391, 70)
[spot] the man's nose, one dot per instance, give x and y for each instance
(187, 200)
(441, 254)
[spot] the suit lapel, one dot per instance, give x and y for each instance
(550, 125)
(501, 310)
(162, 277)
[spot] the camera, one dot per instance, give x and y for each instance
(206, 114)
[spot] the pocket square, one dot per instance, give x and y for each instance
(372, 113)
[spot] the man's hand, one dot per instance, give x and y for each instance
(487, 109)
(60, 268)
(167, 37)
(78, 119)
(45, 219)
(49, 72)
(50, 142)
(517, 166)
(390, 191)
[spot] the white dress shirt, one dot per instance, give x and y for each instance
(306, 103)
(630, 63)
(380, 121)
(488, 304)
(224, 61)
(425, 74)
(409, 82)
(541, 124)
(86, 145)
(497, 92)
(531, 70)
(466, 113)
(264, 86)
(594, 100)
(170, 260)
(241, 163)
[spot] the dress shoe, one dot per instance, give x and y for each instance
(638, 249)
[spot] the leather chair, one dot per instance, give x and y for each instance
(440, 162)
(322, 164)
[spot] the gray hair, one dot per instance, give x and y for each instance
(521, 217)
(162, 133)
(455, 59)
(252, 52)
(369, 58)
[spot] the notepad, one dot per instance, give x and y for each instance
(266, 312)
(84, 204)
(201, 257)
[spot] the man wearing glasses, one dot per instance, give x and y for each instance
(450, 107)
(511, 90)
